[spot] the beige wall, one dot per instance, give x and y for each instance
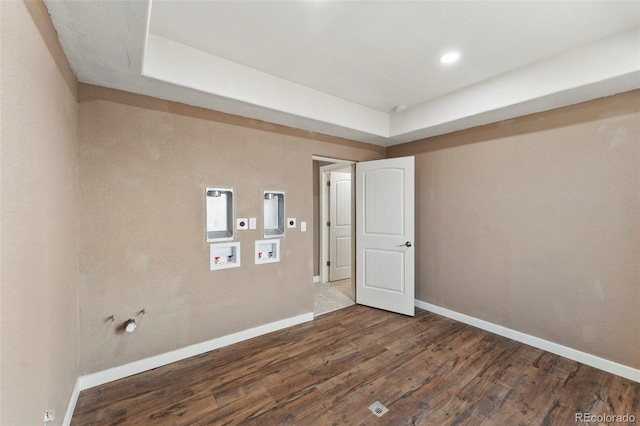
(144, 164)
(534, 224)
(39, 218)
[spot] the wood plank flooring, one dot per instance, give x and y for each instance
(428, 370)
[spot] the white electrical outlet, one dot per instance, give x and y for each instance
(49, 415)
(242, 223)
(291, 222)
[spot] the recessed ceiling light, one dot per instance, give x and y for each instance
(449, 58)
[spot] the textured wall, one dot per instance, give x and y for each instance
(144, 164)
(39, 218)
(534, 224)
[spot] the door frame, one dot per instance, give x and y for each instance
(323, 205)
(324, 214)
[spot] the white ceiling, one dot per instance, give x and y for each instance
(339, 67)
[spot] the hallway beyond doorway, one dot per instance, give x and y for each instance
(330, 296)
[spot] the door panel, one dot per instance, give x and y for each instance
(343, 253)
(383, 202)
(381, 268)
(340, 226)
(385, 256)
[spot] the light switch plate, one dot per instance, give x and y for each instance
(252, 223)
(303, 226)
(242, 223)
(291, 222)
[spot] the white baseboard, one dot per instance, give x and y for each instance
(115, 373)
(574, 354)
(316, 279)
(72, 404)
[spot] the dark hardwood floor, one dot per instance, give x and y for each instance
(427, 370)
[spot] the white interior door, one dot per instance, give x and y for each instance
(339, 226)
(385, 257)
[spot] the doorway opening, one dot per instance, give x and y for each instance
(333, 196)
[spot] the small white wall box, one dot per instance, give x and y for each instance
(273, 214)
(224, 255)
(219, 213)
(267, 251)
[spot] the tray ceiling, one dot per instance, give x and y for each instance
(341, 67)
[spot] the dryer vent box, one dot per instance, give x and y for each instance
(219, 207)
(274, 220)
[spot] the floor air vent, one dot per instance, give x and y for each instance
(378, 409)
